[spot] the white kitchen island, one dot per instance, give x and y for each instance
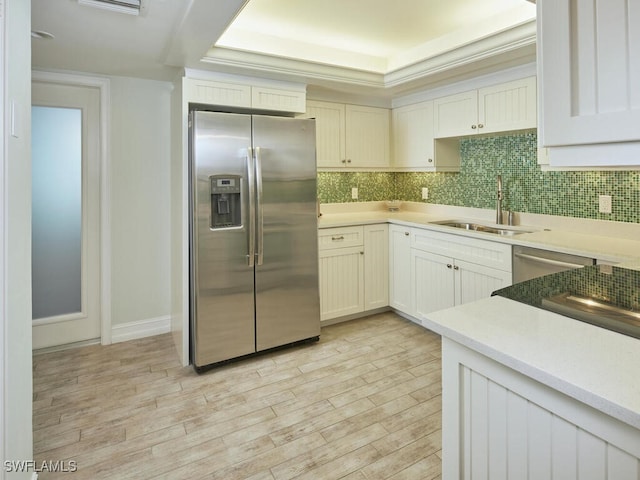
(529, 394)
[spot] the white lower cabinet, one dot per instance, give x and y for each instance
(353, 270)
(430, 270)
(376, 266)
(500, 424)
(432, 282)
(399, 268)
(341, 286)
(440, 282)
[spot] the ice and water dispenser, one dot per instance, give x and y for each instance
(225, 201)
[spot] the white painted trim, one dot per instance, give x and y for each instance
(243, 80)
(3, 232)
(354, 316)
(502, 76)
(104, 85)
(184, 227)
(506, 42)
(59, 318)
(511, 43)
(141, 329)
(255, 64)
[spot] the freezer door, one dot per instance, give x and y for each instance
(222, 288)
(287, 298)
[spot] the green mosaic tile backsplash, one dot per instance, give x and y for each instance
(526, 187)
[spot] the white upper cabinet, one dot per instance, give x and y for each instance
(499, 108)
(589, 82)
(330, 137)
(590, 71)
(413, 136)
(240, 95)
(508, 106)
(277, 99)
(367, 136)
(351, 136)
(456, 115)
(413, 142)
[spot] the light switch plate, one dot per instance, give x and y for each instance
(425, 193)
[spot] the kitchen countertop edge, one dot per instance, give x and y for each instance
(569, 356)
(603, 248)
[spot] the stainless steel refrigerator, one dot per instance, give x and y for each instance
(253, 234)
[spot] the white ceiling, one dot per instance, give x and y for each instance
(370, 45)
(372, 35)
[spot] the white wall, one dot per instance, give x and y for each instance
(140, 200)
(17, 441)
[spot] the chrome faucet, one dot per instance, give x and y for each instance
(499, 202)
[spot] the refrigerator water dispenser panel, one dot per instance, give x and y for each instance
(225, 201)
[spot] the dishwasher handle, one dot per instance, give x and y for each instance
(548, 261)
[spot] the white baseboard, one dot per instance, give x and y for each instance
(354, 316)
(408, 317)
(140, 329)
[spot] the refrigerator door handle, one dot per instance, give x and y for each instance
(259, 209)
(251, 238)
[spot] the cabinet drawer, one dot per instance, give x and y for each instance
(478, 251)
(329, 238)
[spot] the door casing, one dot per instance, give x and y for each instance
(103, 86)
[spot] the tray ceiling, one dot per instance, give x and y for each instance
(368, 44)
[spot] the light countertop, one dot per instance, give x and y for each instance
(595, 366)
(598, 242)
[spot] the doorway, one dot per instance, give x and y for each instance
(66, 261)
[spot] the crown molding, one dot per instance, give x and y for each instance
(250, 63)
(509, 47)
(498, 45)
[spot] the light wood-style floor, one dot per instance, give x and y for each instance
(363, 403)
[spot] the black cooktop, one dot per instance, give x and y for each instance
(603, 295)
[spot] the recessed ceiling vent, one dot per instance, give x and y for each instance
(130, 7)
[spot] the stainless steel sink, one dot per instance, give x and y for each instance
(478, 227)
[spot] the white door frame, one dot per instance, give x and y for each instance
(3, 115)
(103, 85)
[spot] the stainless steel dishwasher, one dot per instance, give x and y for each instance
(530, 262)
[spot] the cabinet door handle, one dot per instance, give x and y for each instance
(473, 127)
(348, 160)
(456, 268)
(406, 234)
(449, 265)
(480, 125)
(344, 160)
(336, 239)
(429, 160)
(361, 253)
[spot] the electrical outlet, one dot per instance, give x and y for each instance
(604, 204)
(425, 193)
(354, 193)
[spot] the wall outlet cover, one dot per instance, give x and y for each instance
(425, 193)
(604, 203)
(354, 193)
